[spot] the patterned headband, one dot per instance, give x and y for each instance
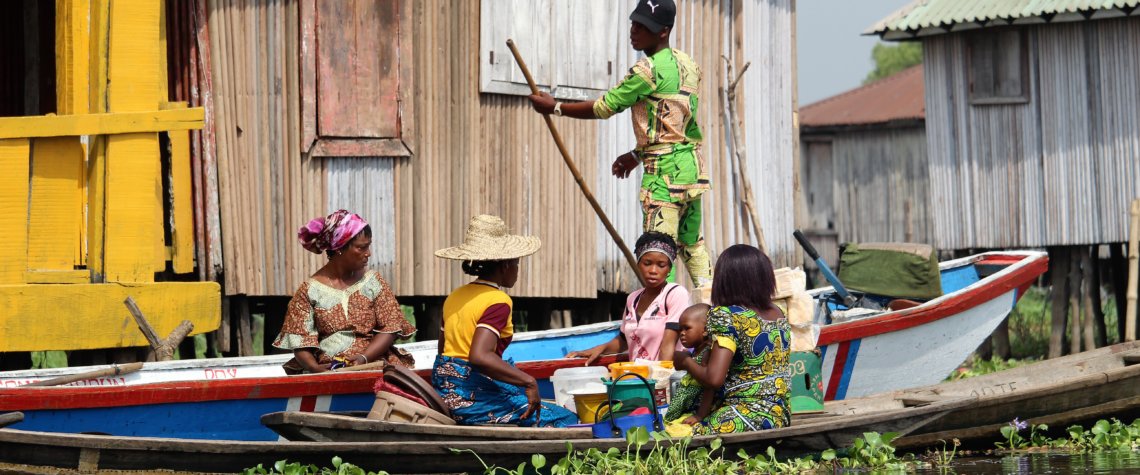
(662, 246)
(331, 232)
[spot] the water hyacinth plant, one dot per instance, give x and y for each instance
(1103, 435)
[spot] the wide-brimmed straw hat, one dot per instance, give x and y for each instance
(488, 239)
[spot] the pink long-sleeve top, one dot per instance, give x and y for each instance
(643, 336)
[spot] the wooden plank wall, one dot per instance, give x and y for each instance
(876, 188)
(1059, 170)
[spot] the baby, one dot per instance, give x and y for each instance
(694, 335)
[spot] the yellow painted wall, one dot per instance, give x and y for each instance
(67, 207)
(14, 157)
(56, 201)
(92, 316)
(133, 225)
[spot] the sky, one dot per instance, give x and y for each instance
(832, 55)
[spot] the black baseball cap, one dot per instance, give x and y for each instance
(655, 15)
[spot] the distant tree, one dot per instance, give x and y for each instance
(890, 59)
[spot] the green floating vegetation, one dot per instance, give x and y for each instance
(872, 452)
(1104, 435)
(283, 467)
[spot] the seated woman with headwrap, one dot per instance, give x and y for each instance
(344, 314)
(648, 322)
(470, 374)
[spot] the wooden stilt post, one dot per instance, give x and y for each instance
(1094, 297)
(1118, 263)
(1059, 275)
(1133, 270)
(1075, 300)
(1088, 333)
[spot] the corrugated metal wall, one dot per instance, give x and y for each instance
(266, 191)
(769, 134)
(480, 153)
(366, 186)
(486, 153)
(878, 182)
(1058, 170)
(706, 30)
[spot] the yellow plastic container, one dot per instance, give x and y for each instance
(587, 405)
(618, 369)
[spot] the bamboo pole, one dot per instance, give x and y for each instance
(1133, 268)
(741, 158)
(574, 168)
(114, 370)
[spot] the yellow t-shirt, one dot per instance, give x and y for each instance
(472, 306)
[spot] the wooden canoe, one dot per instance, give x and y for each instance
(887, 414)
(1081, 388)
(93, 452)
(354, 427)
(225, 409)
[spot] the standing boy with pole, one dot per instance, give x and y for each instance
(662, 91)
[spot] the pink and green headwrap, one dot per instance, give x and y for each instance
(331, 232)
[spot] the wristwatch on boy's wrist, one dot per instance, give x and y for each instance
(558, 109)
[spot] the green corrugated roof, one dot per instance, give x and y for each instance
(921, 14)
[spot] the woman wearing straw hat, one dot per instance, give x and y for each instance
(470, 374)
(344, 314)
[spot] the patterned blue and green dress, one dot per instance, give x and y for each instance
(758, 384)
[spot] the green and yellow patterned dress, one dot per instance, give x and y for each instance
(758, 384)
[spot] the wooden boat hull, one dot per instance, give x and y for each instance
(205, 409)
(1081, 388)
(91, 452)
(921, 345)
(354, 427)
(526, 346)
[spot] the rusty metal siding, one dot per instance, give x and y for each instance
(1058, 170)
(618, 197)
(266, 190)
(478, 153)
(486, 153)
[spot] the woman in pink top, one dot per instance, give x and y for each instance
(649, 321)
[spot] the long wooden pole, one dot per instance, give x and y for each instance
(574, 168)
(739, 153)
(1133, 270)
(114, 370)
(9, 418)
